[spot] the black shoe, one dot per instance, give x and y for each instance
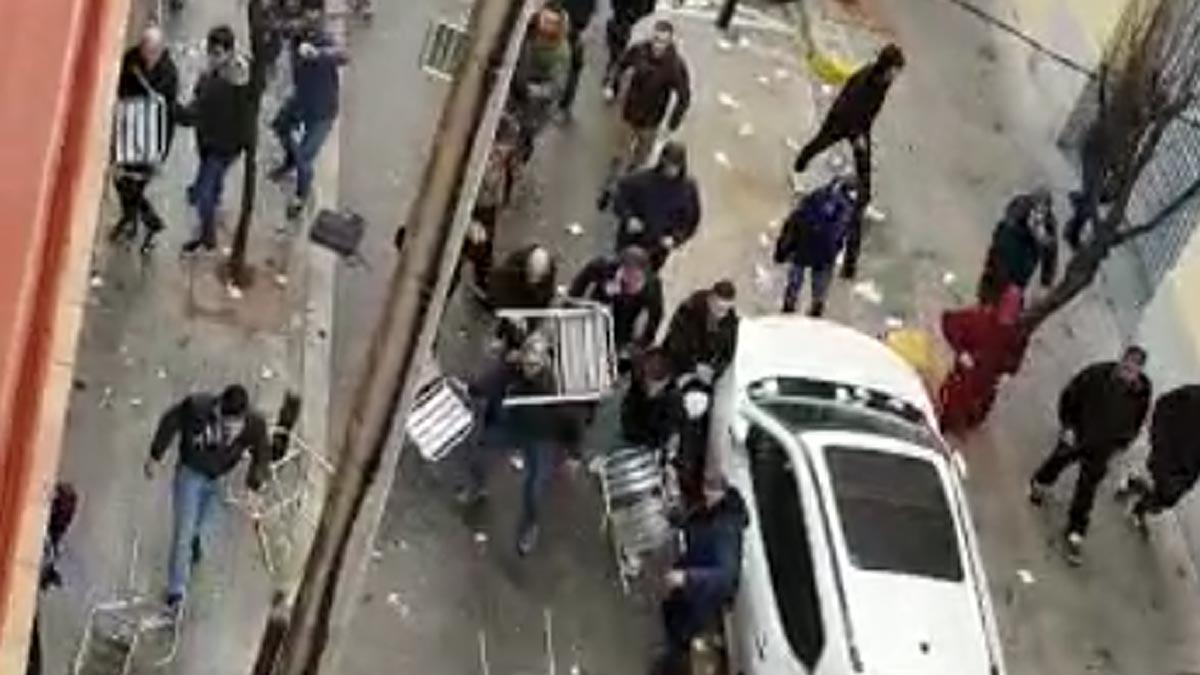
(123, 231)
(174, 602)
(192, 246)
(1037, 493)
(197, 552)
(148, 245)
(603, 199)
(527, 540)
(295, 208)
(279, 173)
(849, 271)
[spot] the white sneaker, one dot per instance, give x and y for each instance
(1074, 548)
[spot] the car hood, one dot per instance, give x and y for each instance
(907, 625)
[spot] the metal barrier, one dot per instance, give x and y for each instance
(580, 338)
(634, 487)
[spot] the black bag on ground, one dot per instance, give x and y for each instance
(340, 231)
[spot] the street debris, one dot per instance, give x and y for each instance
(517, 462)
(281, 280)
(774, 224)
(893, 323)
(764, 240)
(96, 281)
(725, 45)
(1026, 577)
(875, 214)
(782, 74)
(376, 555)
(792, 144)
(869, 291)
(837, 162)
(394, 601)
(827, 90)
(160, 373)
(949, 278)
(574, 229)
(728, 101)
(106, 397)
(481, 537)
(135, 402)
(764, 80)
(743, 42)
(722, 159)
(233, 292)
(746, 130)
(266, 373)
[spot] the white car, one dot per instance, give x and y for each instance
(860, 556)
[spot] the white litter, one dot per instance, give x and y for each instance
(233, 292)
(762, 278)
(266, 373)
(722, 159)
(836, 162)
(743, 41)
(724, 45)
(481, 537)
(96, 281)
(281, 280)
(893, 323)
(728, 101)
(792, 144)
(949, 278)
(135, 402)
(869, 291)
(782, 73)
(827, 90)
(746, 130)
(875, 214)
(764, 80)
(393, 599)
(1026, 577)
(574, 229)
(774, 224)
(517, 462)
(160, 373)
(376, 555)
(764, 240)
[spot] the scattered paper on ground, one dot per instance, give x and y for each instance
(875, 214)
(764, 80)
(97, 281)
(869, 291)
(782, 73)
(792, 144)
(948, 278)
(722, 159)
(724, 45)
(727, 100)
(574, 229)
(764, 240)
(893, 323)
(481, 537)
(746, 130)
(1026, 576)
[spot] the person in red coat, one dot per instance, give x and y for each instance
(988, 344)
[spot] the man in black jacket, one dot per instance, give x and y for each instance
(649, 73)
(220, 113)
(214, 433)
(147, 71)
(651, 411)
(579, 15)
(851, 117)
(631, 290)
(1174, 461)
(625, 15)
(658, 208)
(702, 335)
(1101, 412)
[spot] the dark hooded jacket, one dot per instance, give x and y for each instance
(316, 82)
(1174, 461)
(1105, 413)
(597, 282)
(579, 12)
(650, 421)
(652, 81)
(815, 231)
(202, 449)
(854, 110)
(1016, 252)
(712, 560)
(694, 338)
(666, 206)
(511, 288)
(162, 79)
(220, 110)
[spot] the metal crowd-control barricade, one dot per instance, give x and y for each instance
(580, 337)
(441, 418)
(634, 486)
(122, 635)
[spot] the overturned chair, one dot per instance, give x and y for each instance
(637, 494)
(579, 335)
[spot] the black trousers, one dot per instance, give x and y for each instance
(1093, 466)
(861, 146)
(135, 207)
(568, 96)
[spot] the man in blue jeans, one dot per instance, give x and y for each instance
(214, 432)
(220, 114)
(311, 109)
(538, 430)
(813, 236)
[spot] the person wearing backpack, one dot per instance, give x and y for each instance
(813, 236)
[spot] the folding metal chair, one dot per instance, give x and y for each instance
(580, 336)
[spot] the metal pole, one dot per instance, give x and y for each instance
(403, 336)
(235, 270)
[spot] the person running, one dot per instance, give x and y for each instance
(1026, 239)
(1101, 412)
(658, 208)
(811, 239)
(215, 433)
(307, 116)
(648, 76)
(147, 72)
(851, 118)
(988, 344)
(1173, 464)
(220, 113)
(631, 290)
(702, 335)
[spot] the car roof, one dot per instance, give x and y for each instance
(800, 347)
(905, 623)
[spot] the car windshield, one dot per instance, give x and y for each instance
(894, 513)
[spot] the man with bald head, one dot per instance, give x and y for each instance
(147, 71)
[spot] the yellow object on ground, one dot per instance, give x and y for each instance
(829, 68)
(920, 350)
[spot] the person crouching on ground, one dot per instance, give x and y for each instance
(1174, 461)
(706, 576)
(988, 343)
(1026, 239)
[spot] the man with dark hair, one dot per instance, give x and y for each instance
(625, 15)
(1101, 412)
(215, 433)
(220, 113)
(702, 335)
(648, 75)
(851, 118)
(658, 208)
(147, 72)
(651, 410)
(631, 290)
(311, 109)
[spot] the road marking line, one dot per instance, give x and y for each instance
(484, 667)
(550, 666)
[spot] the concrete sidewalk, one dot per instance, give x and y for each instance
(163, 327)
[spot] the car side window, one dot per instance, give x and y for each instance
(786, 542)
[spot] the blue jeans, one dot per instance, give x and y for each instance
(820, 287)
(206, 193)
(193, 497)
(538, 456)
(288, 121)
